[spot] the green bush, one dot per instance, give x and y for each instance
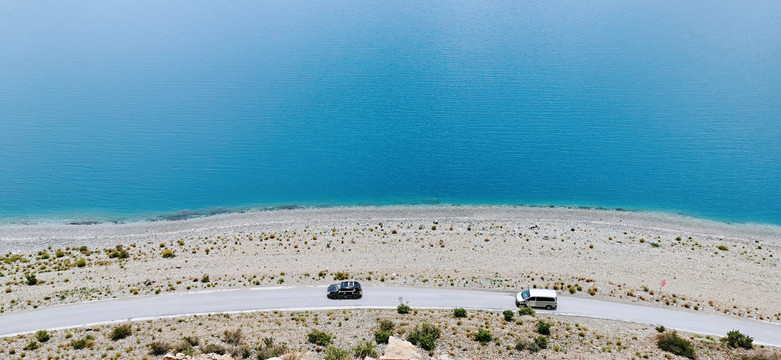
(31, 280)
(364, 349)
(541, 342)
(86, 342)
(403, 309)
(385, 332)
(168, 253)
(118, 252)
(424, 335)
(214, 349)
(32, 345)
(341, 275)
(335, 353)
(508, 315)
(381, 337)
(184, 347)
(268, 349)
(319, 338)
(483, 336)
(543, 327)
(159, 348)
(661, 328)
(526, 311)
(120, 332)
(42, 336)
(232, 337)
(459, 312)
(675, 344)
(531, 346)
(192, 340)
(81, 263)
(736, 339)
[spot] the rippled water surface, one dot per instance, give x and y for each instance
(125, 108)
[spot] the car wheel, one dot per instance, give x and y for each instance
(548, 307)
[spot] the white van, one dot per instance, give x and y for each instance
(542, 298)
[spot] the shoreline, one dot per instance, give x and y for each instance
(187, 214)
(22, 236)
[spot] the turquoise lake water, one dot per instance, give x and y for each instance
(134, 108)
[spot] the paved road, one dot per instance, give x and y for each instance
(313, 298)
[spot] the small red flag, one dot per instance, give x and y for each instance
(664, 282)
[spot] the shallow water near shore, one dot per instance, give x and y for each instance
(130, 110)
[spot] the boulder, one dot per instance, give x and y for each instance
(399, 349)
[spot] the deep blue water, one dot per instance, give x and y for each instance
(130, 108)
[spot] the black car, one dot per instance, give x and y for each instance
(345, 290)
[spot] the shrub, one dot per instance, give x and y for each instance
(541, 342)
(81, 263)
(168, 253)
(424, 335)
(381, 337)
(205, 278)
(192, 340)
(268, 349)
(32, 345)
(364, 349)
(86, 342)
(675, 344)
(120, 332)
(341, 275)
(543, 327)
(722, 247)
(736, 339)
(232, 337)
(335, 353)
(483, 336)
(159, 348)
(531, 346)
(319, 337)
(508, 315)
(118, 252)
(31, 280)
(526, 311)
(42, 336)
(459, 312)
(592, 291)
(385, 332)
(184, 347)
(403, 309)
(213, 349)
(661, 328)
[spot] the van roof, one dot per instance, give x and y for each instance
(542, 292)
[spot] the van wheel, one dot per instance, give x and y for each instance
(548, 307)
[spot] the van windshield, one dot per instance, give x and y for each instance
(525, 294)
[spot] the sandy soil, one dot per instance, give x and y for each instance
(709, 267)
(238, 334)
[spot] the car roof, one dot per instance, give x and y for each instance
(542, 292)
(349, 283)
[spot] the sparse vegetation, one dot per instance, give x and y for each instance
(424, 335)
(267, 349)
(736, 339)
(508, 315)
(671, 342)
(42, 336)
(525, 310)
(483, 336)
(459, 312)
(543, 327)
(335, 353)
(364, 349)
(318, 337)
(159, 348)
(403, 309)
(121, 332)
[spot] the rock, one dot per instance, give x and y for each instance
(400, 350)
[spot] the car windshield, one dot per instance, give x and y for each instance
(525, 294)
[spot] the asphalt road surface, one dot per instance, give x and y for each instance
(313, 298)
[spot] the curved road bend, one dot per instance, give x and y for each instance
(313, 298)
